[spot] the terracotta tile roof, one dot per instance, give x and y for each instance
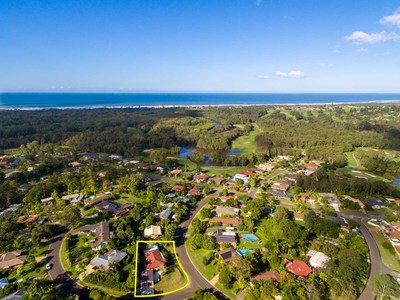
(233, 221)
(298, 268)
(177, 188)
(154, 259)
(194, 192)
(272, 275)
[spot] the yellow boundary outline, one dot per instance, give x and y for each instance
(136, 270)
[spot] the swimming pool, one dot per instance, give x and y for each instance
(243, 252)
(251, 237)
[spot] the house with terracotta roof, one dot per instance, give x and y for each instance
(227, 221)
(175, 172)
(177, 187)
(12, 260)
(30, 220)
(312, 166)
(298, 268)
(199, 178)
(298, 216)
(154, 258)
(226, 198)
(394, 237)
(271, 275)
(75, 164)
(216, 180)
(193, 192)
(267, 166)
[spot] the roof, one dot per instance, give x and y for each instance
(47, 200)
(154, 259)
(298, 268)
(177, 188)
(152, 230)
(271, 275)
(12, 259)
(312, 165)
(100, 261)
(226, 198)
(341, 221)
(298, 216)
(201, 176)
(374, 202)
(32, 218)
(227, 254)
(194, 192)
(166, 213)
(103, 260)
(15, 296)
(3, 282)
(226, 210)
(233, 221)
(102, 231)
(280, 185)
(317, 259)
(225, 238)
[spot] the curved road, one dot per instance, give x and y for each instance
(376, 264)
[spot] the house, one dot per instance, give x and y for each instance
(113, 208)
(165, 214)
(152, 231)
(225, 237)
(147, 280)
(245, 178)
(298, 268)
(98, 198)
(394, 237)
(307, 198)
(199, 178)
(292, 177)
(226, 210)
(103, 261)
(73, 198)
(333, 200)
(154, 259)
(3, 282)
(280, 186)
(317, 259)
(271, 275)
(377, 204)
(228, 254)
(12, 260)
(226, 198)
(396, 226)
(267, 166)
(280, 194)
(298, 216)
(176, 188)
(194, 192)
(216, 180)
(342, 222)
(312, 166)
(30, 220)
(48, 201)
(175, 172)
(227, 221)
(101, 231)
(75, 164)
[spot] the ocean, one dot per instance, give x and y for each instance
(95, 100)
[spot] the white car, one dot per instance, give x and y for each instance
(49, 266)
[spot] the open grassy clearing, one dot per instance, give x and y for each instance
(222, 171)
(171, 281)
(389, 258)
(196, 256)
(108, 291)
(246, 143)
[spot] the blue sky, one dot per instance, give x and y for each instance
(200, 46)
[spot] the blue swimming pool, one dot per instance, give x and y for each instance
(243, 252)
(251, 237)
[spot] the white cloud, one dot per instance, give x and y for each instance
(291, 74)
(362, 50)
(391, 20)
(360, 37)
(325, 65)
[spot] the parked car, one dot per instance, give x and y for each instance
(49, 266)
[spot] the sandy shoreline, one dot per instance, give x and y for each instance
(199, 105)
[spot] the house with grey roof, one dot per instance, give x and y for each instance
(103, 261)
(101, 231)
(226, 210)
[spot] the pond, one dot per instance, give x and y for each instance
(396, 182)
(186, 151)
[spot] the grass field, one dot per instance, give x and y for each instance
(170, 282)
(389, 259)
(246, 143)
(218, 171)
(108, 291)
(196, 256)
(352, 161)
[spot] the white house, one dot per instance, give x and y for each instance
(152, 231)
(317, 259)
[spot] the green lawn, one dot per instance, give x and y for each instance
(112, 292)
(126, 198)
(13, 151)
(227, 292)
(196, 256)
(221, 171)
(246, 143)
(389, 259)
(171, 281)
(352, 161)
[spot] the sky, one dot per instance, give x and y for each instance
(261, 46)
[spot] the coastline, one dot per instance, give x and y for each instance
(137, 106)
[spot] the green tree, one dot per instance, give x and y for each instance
(385, 286)
(225, 277)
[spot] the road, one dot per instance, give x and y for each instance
(376, 264)
(254, 191)
(57, 272)
(197, 281)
